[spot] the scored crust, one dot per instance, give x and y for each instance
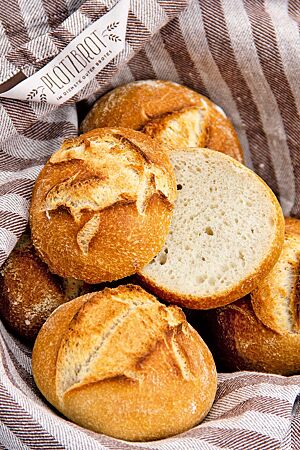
(175, 115)
(276, 301)
(102, 205)
(292, 225)
(111, 361)
(240, 341)
(247, 283)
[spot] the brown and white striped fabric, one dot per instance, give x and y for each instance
(244, 55)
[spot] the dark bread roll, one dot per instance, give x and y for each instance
(119, 362)
(29, 292)
(174, 115)
(102, 205)
(261, 332)
(276, 301)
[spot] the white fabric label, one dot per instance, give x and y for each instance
(79, 62)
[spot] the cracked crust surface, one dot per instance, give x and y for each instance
(174, 115)
(121, 363)
(276, 301)
(261, 332)
(240, 341)
(97, 202)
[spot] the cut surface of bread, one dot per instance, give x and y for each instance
(226, 233)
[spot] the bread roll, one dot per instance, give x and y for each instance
(29, 292)
(102, 205)
(176, 116)
(262, 332)
(226, 233)
(119, 362)
(292, 225)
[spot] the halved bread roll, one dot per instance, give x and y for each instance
(123, 364)
(102, 205)
(175, 115)
(226, 233)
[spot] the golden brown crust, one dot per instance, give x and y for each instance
(276, 300)
(28, 291)
(163, 110)
(47, 345)
(120, 363)
(238, 291)
(188, 127)
(292, 225)
(222, 135)
(102, 205)
(240, 341)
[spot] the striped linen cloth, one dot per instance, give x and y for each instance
(244, 55)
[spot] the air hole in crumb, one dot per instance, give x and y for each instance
(201, 279)
(166, 250)
(242, 256)
(163, 259)
(252, 231)
(209, 231)
(203, 259)
(179, 187)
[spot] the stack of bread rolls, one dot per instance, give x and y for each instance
(154, 189)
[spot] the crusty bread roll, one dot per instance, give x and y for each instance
(29, 292)
(119, 362)
(226, 234)
(262, 332)
(102, 205)
(276, 301)
(292, 225)
(176, 116)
